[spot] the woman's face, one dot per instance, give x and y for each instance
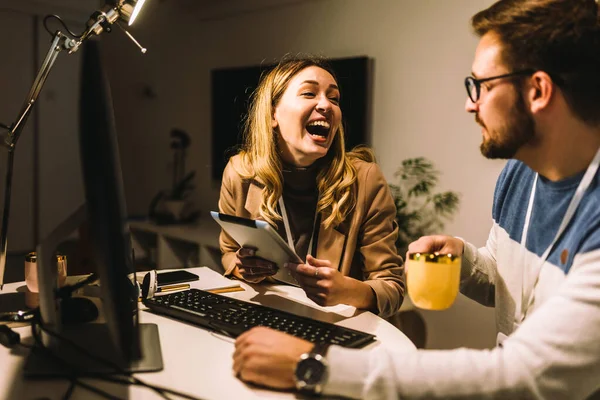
(307, 116)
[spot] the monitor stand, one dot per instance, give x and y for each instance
(93, 337)
(65, 360)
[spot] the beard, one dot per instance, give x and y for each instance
(504, 142)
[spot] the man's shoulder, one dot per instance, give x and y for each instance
(515, 178)
(515, 171)
(512, 192)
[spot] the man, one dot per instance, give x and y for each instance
(535, 90)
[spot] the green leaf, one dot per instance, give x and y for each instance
(420, 211)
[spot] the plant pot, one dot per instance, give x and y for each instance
(175, 208)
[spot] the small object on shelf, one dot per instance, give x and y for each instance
(168, 208)
(175, 208)
(161, 247)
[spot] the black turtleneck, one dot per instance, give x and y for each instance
(300, 196)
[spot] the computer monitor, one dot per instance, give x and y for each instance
(132, 346)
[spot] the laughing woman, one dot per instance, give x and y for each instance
(333, 207)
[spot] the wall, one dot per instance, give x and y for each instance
(422, 50)
(60, 180)
(77, 10)
(47, 184)
(17, 76)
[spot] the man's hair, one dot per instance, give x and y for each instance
(560, 37)
(260, 156)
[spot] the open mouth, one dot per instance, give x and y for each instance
(318, 130)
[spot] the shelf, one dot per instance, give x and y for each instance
(177, 246)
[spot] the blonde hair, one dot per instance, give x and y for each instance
(260, 155)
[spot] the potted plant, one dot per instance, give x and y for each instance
(169, 206)
(419, 210)
(175, 200)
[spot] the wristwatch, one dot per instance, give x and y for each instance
(312, 370)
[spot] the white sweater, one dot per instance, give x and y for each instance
(553, 354)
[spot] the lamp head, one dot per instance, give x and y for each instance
(125, 10)
(128, 9)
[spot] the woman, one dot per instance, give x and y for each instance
(333, 207)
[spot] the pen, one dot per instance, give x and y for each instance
(227, 290)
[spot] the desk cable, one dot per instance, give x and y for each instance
(126, 378)
(10, 338)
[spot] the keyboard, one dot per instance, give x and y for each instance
(232, 317)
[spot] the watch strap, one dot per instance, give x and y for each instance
(320, 348)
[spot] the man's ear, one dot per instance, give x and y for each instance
(540, 91)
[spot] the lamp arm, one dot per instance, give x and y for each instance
(16, 128)
(59, 43)
(99, 22)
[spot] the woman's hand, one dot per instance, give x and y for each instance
(328, 287)
(253, 269)
(268, 357)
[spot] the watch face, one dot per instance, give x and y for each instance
(310, 371)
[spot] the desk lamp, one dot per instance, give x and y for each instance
(101, 21)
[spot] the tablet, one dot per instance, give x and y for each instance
(264, 238)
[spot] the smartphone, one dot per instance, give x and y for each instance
(173, 277)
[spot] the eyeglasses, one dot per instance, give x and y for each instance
(473, 85)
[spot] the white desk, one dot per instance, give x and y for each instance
(196, 361)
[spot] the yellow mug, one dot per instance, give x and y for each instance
(432, 279)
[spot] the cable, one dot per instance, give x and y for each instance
(69, 391)
(8, 337)
(73, 376)
(67, 291)
(127, 378)
(125, 381)
(96, 390)
(100, 360)
(54, 16)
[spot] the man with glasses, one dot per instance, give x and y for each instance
(535, 92)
